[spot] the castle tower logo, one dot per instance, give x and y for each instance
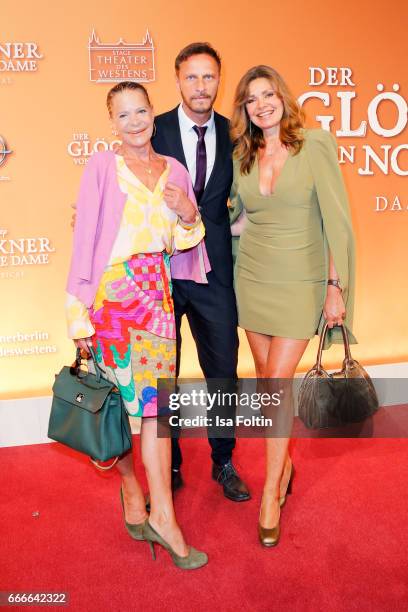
(121, 61)
(4, 151)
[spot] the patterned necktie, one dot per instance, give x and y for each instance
(201, 162)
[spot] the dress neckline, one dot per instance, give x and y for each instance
(131, 176)
(256, 164)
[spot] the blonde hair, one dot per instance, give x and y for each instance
(124, 86)
(247, 138)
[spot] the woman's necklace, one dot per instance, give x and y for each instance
(143, 164)
(145, 167)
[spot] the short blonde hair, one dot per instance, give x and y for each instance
(124, 86)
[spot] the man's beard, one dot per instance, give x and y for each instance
(191, 105)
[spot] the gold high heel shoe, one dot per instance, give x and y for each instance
(282, 499)
(268, 536)
(194, 559)
(135, 530)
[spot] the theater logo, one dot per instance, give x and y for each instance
(19, 57)
(4, 153)
(81, 147)
(121, 61)
(24, 251)
(390, 157)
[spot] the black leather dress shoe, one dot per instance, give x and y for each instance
(176, 483)
(234, 488)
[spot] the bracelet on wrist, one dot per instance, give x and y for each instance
(334, 282)
(191, 225)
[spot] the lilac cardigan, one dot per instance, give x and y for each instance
(100, 206)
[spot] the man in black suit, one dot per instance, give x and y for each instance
(199, 138)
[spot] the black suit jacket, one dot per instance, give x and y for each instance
(213, 205)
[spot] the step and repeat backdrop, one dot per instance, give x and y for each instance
(57, 62)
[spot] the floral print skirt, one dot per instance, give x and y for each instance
(135, 334)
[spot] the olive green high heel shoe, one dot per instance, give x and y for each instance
(135, 530)
(194, 559)
(282, 499)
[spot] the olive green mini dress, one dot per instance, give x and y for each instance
(281, 268)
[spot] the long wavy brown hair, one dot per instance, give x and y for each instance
(246, 137)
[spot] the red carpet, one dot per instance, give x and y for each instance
(343, 546)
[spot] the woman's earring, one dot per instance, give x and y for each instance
(114, 132)
(154, 130)
(250, 128)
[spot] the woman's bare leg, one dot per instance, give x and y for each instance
(259, 345)
(133, 498)
(156, 456)
(276, 357)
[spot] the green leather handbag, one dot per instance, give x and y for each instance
(88, 413)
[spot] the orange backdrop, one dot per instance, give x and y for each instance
(51, 113)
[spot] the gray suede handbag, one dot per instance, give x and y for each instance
(331, 400)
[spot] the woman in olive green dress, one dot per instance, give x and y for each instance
(295, 260)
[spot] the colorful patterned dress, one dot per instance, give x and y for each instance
(132, 318)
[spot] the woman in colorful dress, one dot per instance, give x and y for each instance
(137, 224)
(295, 262)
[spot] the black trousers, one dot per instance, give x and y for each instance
(212, 315)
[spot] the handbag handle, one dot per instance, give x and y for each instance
(347, 353)
(99, 372)
(104, 468)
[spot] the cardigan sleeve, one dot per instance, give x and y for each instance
(188, 263)
(321, 149)
(87, 216)
(86, 222)
(78, 322)
(185, 237)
